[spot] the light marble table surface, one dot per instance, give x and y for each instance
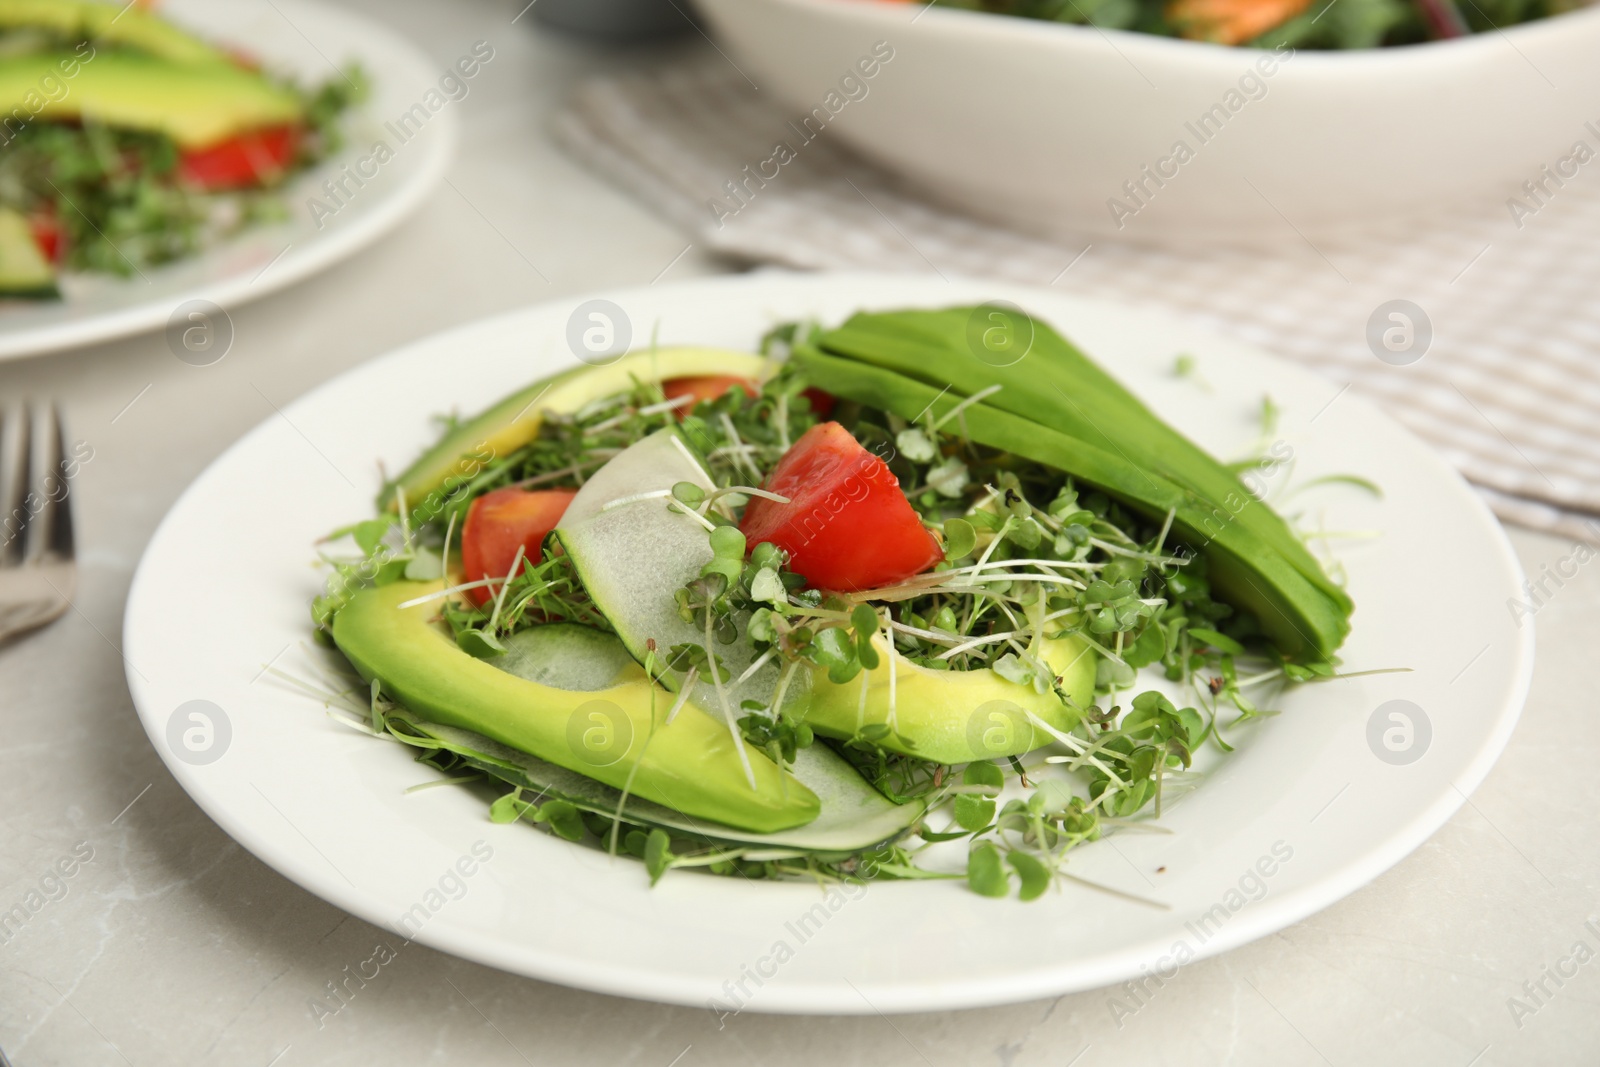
(173, 945)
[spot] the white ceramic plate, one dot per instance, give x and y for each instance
(302, 39)
(226, 583)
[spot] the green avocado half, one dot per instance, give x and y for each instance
(117, 25)
(24, 272)
(195, 105)
(515, 420)
(614, 730)
(956, 716)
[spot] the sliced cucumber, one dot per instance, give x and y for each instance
(854, 815)
(633, 553)
(565, 655)
(24, 271)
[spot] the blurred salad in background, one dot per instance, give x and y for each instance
(127, 142)
(1293, 23)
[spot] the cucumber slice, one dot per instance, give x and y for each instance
(633, 553)
(564, 655)
(854, 815)
(24, 272)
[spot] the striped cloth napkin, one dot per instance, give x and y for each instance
(1508, 388)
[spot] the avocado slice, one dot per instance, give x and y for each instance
(1295, 613)
(194, 105)
(632, 558)
(955, 716)
(609, 733)
(24, 272)
(514, 421)
(109, 25)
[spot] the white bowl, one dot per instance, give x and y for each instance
(1040, 125)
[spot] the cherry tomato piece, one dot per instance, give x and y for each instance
(500, 522)
(847, 525)
(258, 157)
(704, 388)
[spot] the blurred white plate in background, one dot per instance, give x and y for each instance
(308, 41)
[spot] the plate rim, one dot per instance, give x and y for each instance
(1268, 915)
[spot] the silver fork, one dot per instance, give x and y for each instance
(38, 575)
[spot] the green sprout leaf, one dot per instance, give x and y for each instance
(657, 855)
(991, 777)
(563, 818)
(959, 539)
(834, 649)
(973, 812)
(480, 644)
(985, 874)
(1012, 669)
(510, 807)
(1033, 874)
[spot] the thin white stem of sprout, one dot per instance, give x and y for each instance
(894, 722)
(737, 490)
(783, 686)
(679, 506)
(634, 498)
(683, 449)
(595, 407)
(444, 553)
(1077, 745)
(451, 591)
(684, 690)
(1166, 528)
(615, 420)
(733, 435)
(986, 639)
(980, 395)
(666, 405)
(994, 543)
(500, 597)
(565, 472)
(750, 671)
(727, 709)
(420, 786)
(1148, 557)
(405, 519)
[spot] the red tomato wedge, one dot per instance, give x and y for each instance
(704, 388)
(47, 235)
(821, 403)
(258, 157)
(708, 387)
(499, 523)
(847, 525)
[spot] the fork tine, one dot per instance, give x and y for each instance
(14, 481)
(62, 542)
